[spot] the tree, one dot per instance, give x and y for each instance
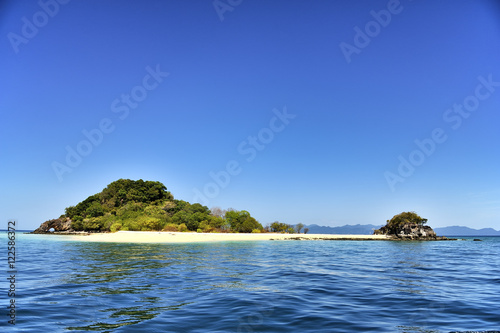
(199, 208)
(306, 230)
(399, 220)
(181, 217)
(94, 210)
(194, 220)
(218, 222)
(70, 211)
(280, 227)
(241, 221)
(120, 192)
(249, 225)
(235, 218)
(218, 212)
(299, 227)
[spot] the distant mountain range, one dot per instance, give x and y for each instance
(358, 229)
(466, 231)
(367, 229)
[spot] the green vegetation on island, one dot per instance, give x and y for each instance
(398, 221)
(147, 205)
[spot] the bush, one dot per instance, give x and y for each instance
(92, 224)
(149, 223)
(182, 227)
(77, 223)
(255, 231)
(206, 226)
(107, 221)
(116, 227)
(170, 227)
(131, 224)
(199, 230)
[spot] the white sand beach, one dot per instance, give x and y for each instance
(191, 237)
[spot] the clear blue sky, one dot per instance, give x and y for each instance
(353, 88)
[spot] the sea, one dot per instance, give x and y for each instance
(254, 286)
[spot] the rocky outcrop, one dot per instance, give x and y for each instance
(410, 231)
(59, 225)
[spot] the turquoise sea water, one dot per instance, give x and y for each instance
(268, 286)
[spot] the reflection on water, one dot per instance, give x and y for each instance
(410, 265)
(148, 280)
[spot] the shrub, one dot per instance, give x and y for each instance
(255, 231)
(116, 227)
(182, 227)
(93, 224)
(107, 221)
(149, 223)
(131, 224)
(170, 227)
(77, 223)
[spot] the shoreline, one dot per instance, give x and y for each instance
(194, 237)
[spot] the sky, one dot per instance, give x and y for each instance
(319, 112)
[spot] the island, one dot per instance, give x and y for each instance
(129, 205)
(408, 226)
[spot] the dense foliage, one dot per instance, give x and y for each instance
(280, 227)
(147, 205)
(399, 220)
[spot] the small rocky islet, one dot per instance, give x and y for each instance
(409, 226)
